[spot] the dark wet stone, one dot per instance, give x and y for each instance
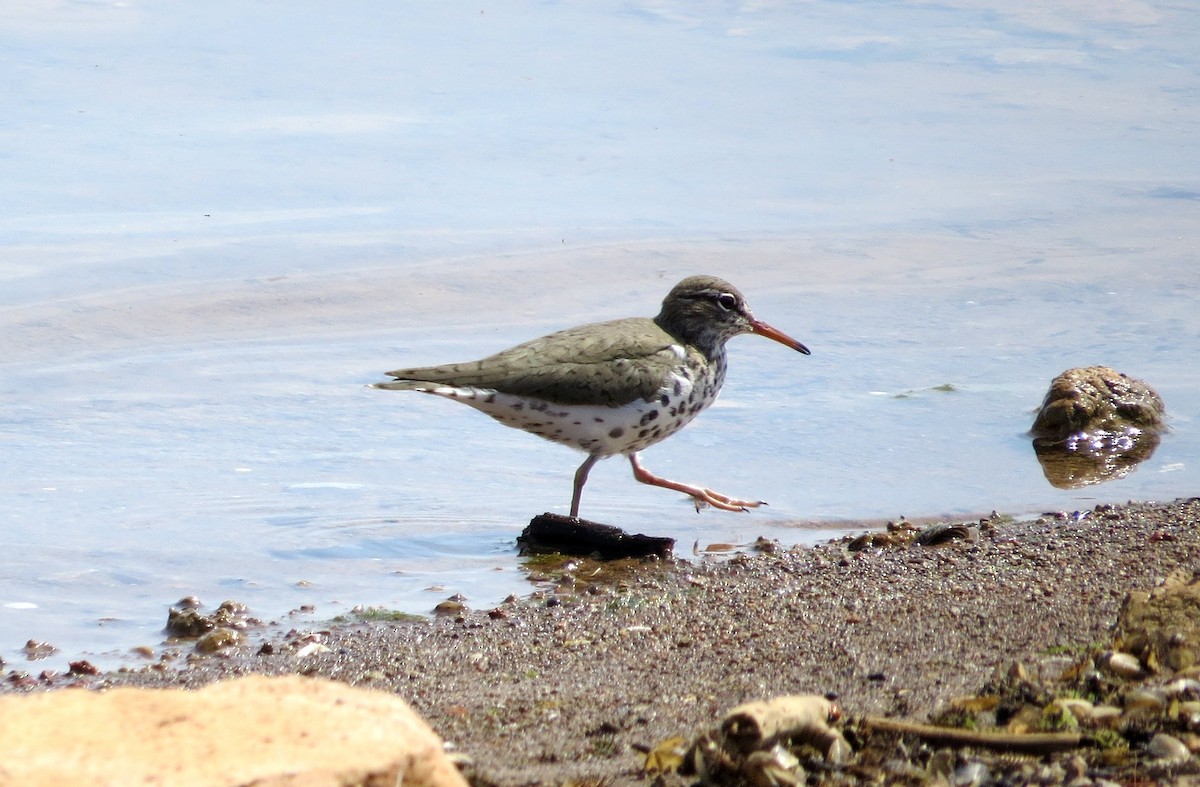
(83, 667)
(943, 533)
(217, 640)
(550, 533)
(188, 623)
(450, 607)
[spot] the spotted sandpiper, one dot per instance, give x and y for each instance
(612, 387)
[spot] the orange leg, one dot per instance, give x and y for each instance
(699, 494)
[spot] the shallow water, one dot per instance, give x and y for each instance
(225, 235)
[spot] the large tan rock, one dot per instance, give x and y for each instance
(1162, 626)
(247, 731)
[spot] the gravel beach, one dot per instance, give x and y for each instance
(573, 683)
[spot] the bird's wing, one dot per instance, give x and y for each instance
(610, 364)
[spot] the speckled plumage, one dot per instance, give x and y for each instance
(612, 387)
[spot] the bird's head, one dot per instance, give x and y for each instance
(707, 312)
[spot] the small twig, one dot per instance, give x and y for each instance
(1031, 743)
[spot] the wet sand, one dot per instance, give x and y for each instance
(567, 684)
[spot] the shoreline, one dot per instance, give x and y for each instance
(571, 684)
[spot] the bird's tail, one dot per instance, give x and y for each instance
(405, 385)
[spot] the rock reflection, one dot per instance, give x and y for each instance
(1085, 459)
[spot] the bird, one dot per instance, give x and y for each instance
(614, 387)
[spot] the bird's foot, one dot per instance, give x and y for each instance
(700, 495)
(704, 497)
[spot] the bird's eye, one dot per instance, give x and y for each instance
(727, 301)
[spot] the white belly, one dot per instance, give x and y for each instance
(599, 430)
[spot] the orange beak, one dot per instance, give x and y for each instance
(762, 329)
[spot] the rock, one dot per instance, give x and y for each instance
(217, 640)
(261, 730)
(1097, 398)
(944, 533)
(1168, 749)
(567, 535)
(1095, 424)
(754, 742)
(756, 725)
(1164, 623)
(1125, 666)
(185, 620)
